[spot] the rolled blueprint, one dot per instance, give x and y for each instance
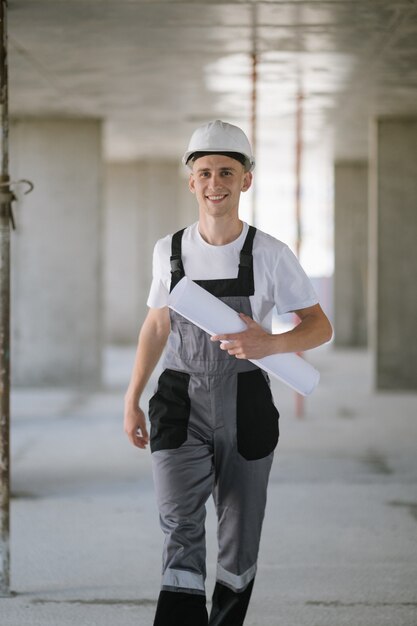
(215, 317)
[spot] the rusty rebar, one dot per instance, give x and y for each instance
(254, 104)
(299, 399)
(298, 168)
(5, 214)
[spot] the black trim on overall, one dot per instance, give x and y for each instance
(243, 285)
(176, 608)
(229, 607)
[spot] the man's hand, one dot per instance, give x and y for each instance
(135, 426)
(253, 343)
(152, 339)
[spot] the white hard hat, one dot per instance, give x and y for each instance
(220, 137)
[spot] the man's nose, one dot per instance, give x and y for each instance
(215, 180)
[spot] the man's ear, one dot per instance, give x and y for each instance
(247, 181)
(191, 185)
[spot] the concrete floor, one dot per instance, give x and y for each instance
(339, 544)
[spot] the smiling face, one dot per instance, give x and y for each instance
(217, 182)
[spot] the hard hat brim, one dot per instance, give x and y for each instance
(250, 160)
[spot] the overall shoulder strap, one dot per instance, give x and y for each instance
(177, 268)
(245, 276)
(246, 258)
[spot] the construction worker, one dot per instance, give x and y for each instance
(214, 425)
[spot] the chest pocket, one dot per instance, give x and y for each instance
(193, 344)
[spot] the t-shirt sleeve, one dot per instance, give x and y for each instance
(158, 293)
(293, 289)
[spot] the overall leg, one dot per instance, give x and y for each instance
(182, 462)
(183, 481)
(243, 459)
(240, 497)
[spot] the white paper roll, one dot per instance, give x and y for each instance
(214, 316)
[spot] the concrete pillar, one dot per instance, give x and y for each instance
(394, 252)
(145, 200)
(125, 243)
(56, 274)
(351, 253)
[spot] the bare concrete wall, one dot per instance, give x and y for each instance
(144, 200)
(394, 253)
(351, 253)
(56, 259)
(124, 245)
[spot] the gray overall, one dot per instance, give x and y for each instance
(214, 428)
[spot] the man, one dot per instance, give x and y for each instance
(214, 425)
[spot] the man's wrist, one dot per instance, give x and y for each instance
(277, 344)
(132, 398)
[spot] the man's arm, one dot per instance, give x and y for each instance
(313, 330)
(152, 339)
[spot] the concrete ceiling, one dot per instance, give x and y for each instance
(153, 70)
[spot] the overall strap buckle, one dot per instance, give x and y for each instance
(177, 268)
(176, 264)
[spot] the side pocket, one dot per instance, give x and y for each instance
(169, 411)
(256, 416)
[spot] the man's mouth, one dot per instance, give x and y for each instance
(217, 197)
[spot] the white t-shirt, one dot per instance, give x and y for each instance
(279, 279)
